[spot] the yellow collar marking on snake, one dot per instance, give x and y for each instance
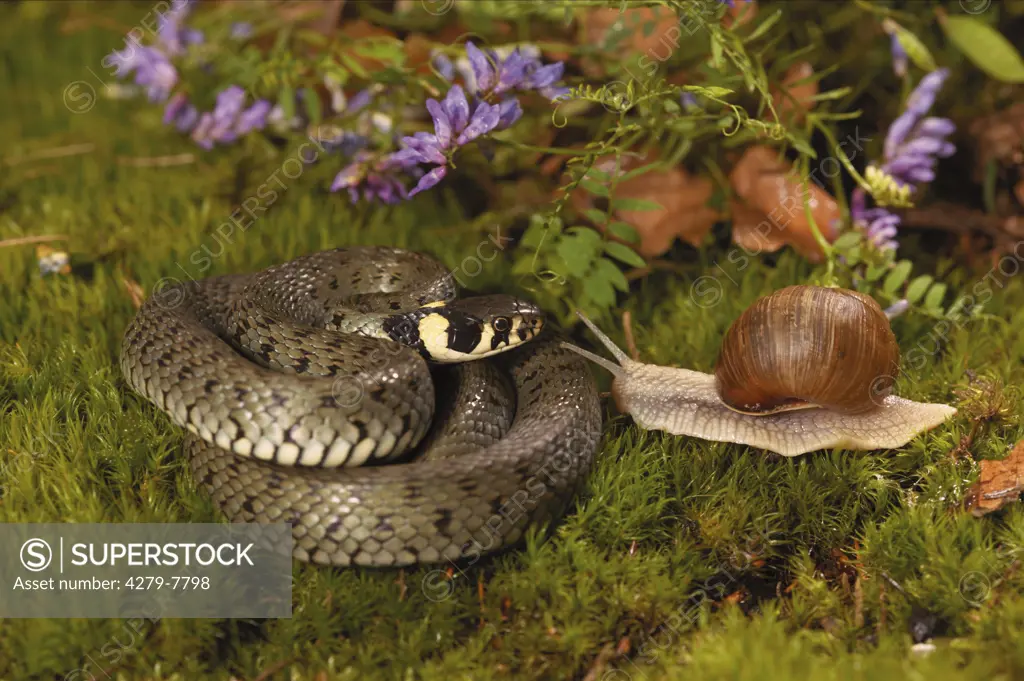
(447, 337)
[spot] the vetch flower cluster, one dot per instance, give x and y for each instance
(154, 71)
(490, 80)
(913, 144)
(380, 178)
(152, 64)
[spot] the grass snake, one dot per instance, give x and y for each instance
(309, 392)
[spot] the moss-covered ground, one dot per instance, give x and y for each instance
(682, 559)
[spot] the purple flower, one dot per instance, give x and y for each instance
(444, 66)
(913, 144)
(483, 69)
(151, 64)
(229, 120)
(455, 125)
(181, 113)
(172, 36)
(377, 177)
(241, 30)
(152, 69)
(509, 112)
(521, 71)
(899, 56)
(253, 118)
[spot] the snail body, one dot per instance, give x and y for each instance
(802, 369)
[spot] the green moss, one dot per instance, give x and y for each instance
(682, 558)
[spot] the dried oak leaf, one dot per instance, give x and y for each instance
(598, 23)
(766, 185)
(657, 45)
(684, 212)
(1001, 482)
(793, 99)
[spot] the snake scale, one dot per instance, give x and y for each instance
(309, 392)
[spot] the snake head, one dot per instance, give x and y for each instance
(472, 328)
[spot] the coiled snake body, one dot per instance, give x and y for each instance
(297, 382)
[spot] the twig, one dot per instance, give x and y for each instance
(156, 161)
(56, 152)
(18, 241)
(951, 217)
(273, 669)
(606, 654)
(627, 328)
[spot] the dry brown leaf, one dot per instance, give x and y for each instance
(792, 102)
(135, 292)
(599, 22)
(766, 184)
(662, 42)
(684, 211)
(1001, 482)
(753, 231)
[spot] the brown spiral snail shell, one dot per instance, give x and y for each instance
(802, 369)
(808, 346)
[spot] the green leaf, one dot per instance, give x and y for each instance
(636, 204)
(540, 229)
(838, 93)
(912, 45)
(852, 256)
(764, 27)
(611, 272)
(636, 172)
(598, 217)
(595, 173)
(847, 240)
(286, 100)
(624, 253)
(624, 231)
(803, 146)
(353, 65)
(875, 272)
(917, 288)
(599, 290)
(897, 276)
(534, 236)
(314, 108)
(579, 250)
(986, 48)
(312, 37)
(382, 49)
(934, 298)
(716, 53)
(708, 90)
(594, 188)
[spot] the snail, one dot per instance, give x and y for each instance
(802, 369)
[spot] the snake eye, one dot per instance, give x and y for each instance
(501, 324)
